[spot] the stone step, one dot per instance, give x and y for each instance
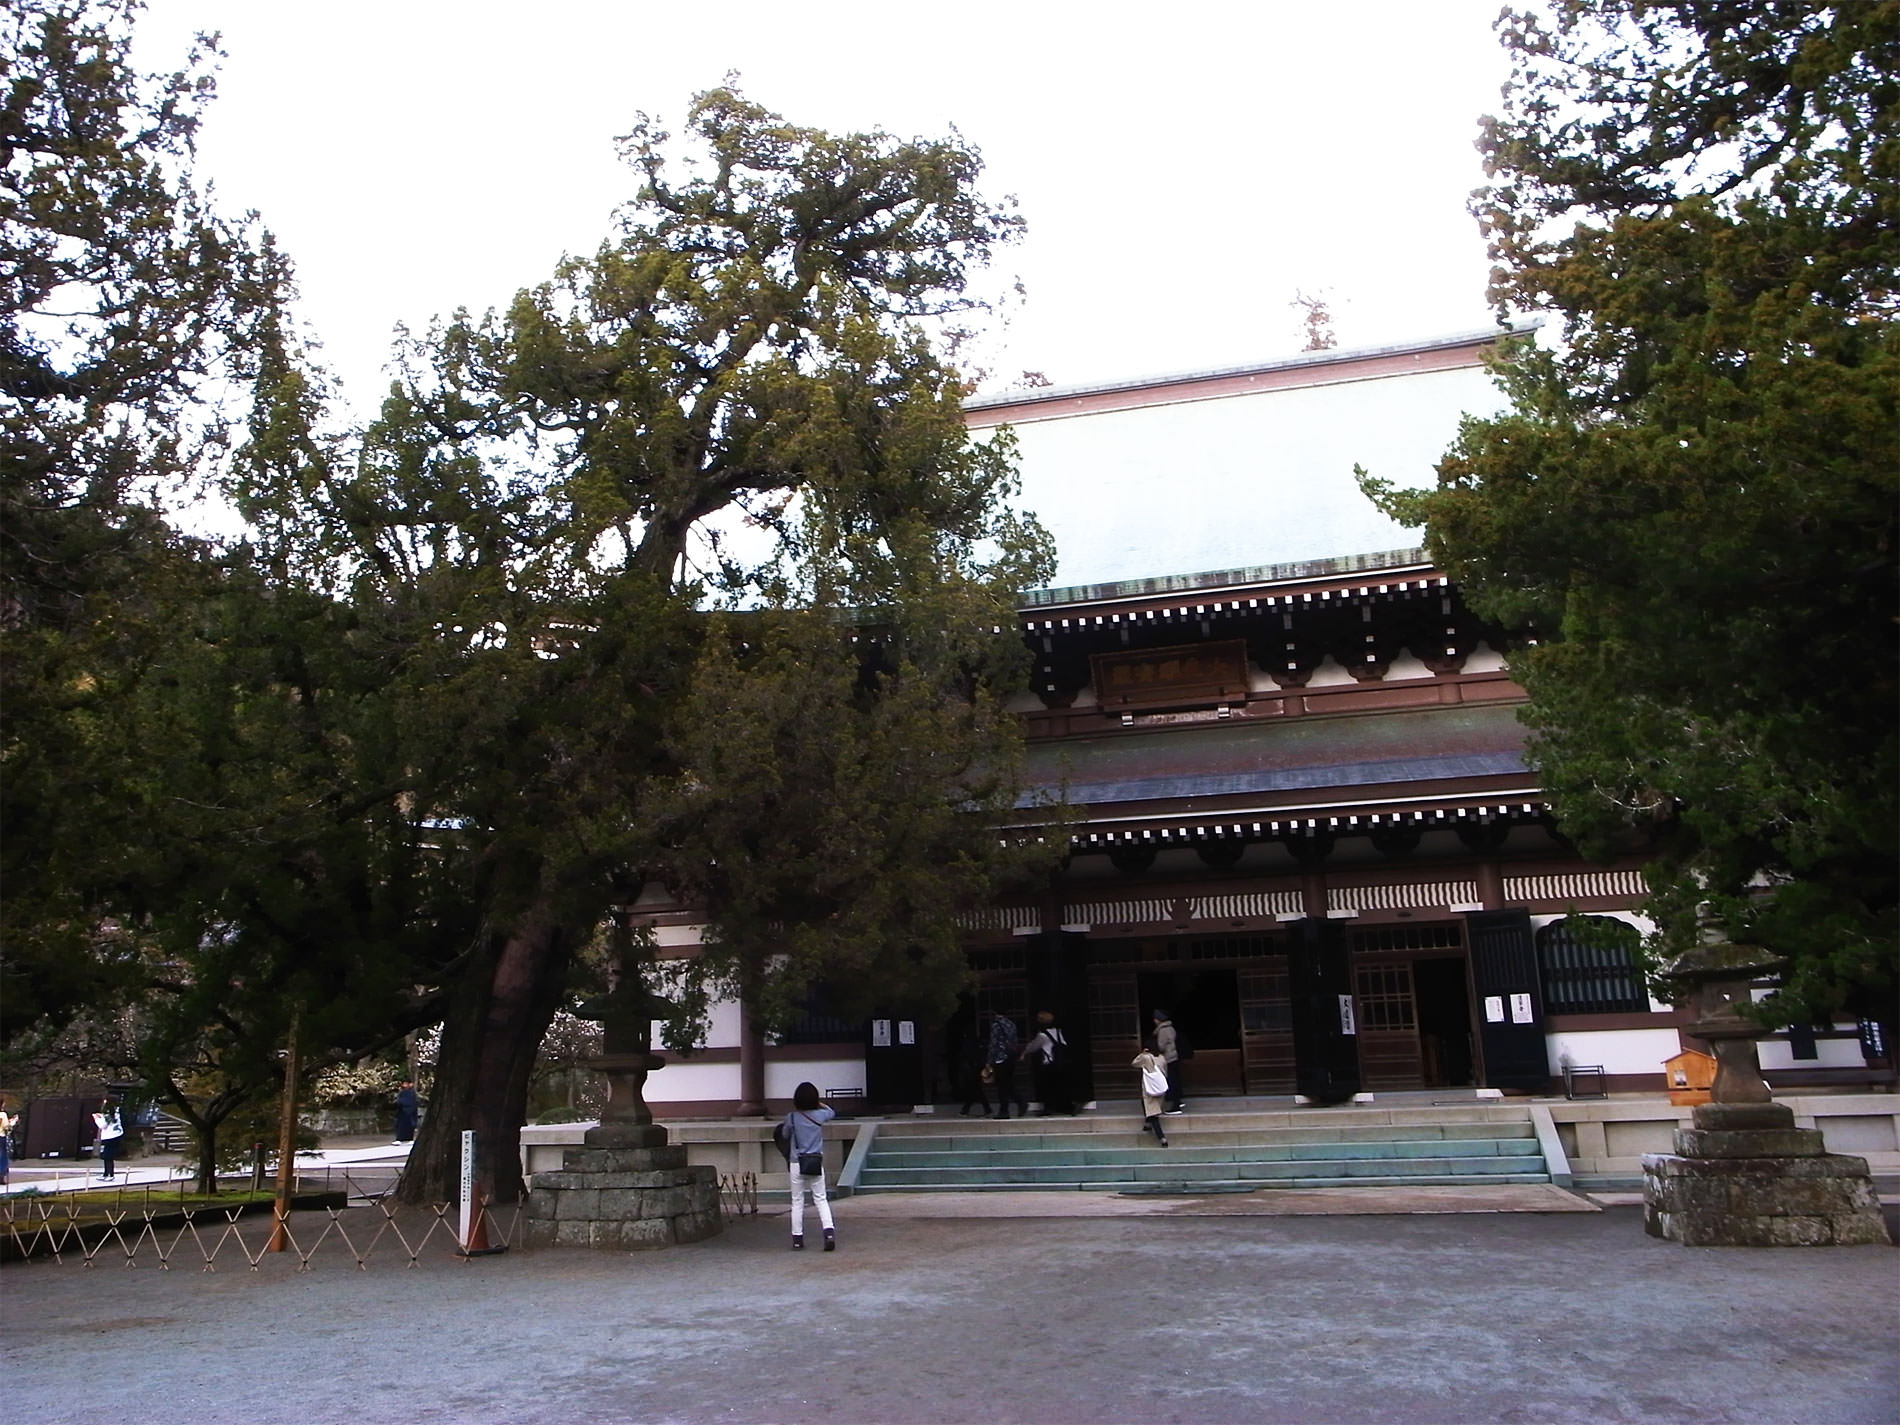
(1213, 1185)
(1190, 1149)
(1158, 1164)
(1209, 1152)
(1080, 1142)
(1209, 1129)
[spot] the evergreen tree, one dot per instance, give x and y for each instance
(1691, 509)
(124, 302)
(736, 401)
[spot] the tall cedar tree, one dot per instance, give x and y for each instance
(732, 401)
(1692, 507)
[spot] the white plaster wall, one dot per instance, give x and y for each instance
(1619, 1051)
(1329, 674)
(1239, 481)
(1484, 659)
(1406, 665)
(830, 1075)
(683, 1081)
(1778, 1053)
(722, 1027)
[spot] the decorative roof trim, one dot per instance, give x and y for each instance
(1345, 571)
(1178, 829)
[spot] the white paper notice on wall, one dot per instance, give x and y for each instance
(906, 1031)
(1520, 1009)
(1494, 1009)
(1346, 1025)
(880, 1034)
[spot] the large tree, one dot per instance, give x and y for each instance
(1691, 510)
(736, 400)
(125, 303)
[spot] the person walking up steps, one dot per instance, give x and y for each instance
(1154, 1089)
(977, 1072)
(1005, 1048)
(1048, 1055)
(805, 1125)
(1167, 1041)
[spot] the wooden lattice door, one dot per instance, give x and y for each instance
(1266, 1026)
(1387, 1011)
(1114, 1031)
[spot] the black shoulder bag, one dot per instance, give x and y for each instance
(811, 1165)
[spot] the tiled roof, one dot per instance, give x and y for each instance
(1270, 759)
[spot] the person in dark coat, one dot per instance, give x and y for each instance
(976, 1073)
(1168, 1046)
(1005, 1048)
(408, 1111)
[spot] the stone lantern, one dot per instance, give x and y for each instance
(627, 1189)
(1745, 1175)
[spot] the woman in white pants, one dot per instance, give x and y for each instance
(805, 1126)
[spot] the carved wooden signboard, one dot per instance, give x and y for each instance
(1193, 675)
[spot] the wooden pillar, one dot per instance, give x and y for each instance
(1490, 885)
(1313, 892)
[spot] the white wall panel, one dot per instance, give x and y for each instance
(1239, 481)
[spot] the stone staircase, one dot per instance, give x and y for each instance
(1210, 1151)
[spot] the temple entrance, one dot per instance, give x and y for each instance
(1204, 1003)
(1412, 999)
(1444, 1023)
(1414, 1023)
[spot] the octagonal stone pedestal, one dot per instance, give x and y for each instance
(1745, 1176)
(626, 1191)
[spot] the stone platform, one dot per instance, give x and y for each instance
(627, 1190)
(1745, 1176)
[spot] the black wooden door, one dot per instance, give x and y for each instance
(1325, 1042)
(1510, 1001)
(893, 1065)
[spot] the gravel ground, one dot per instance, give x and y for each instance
(1178, 1318)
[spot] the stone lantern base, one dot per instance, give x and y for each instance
(1745, 1176)
(625, 1191)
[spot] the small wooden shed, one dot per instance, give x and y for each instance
(1689, 1075)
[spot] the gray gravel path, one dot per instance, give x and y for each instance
(1471, 1318)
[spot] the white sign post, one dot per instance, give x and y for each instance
(468, 1186)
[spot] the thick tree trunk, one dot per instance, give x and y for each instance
(207, 1177)
(498, 1016)
(204, 1132)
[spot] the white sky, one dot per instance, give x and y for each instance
(1183, 169)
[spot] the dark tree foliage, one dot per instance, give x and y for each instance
(1692, 507)
(736, 399)
(390, 758)
(123, 300)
